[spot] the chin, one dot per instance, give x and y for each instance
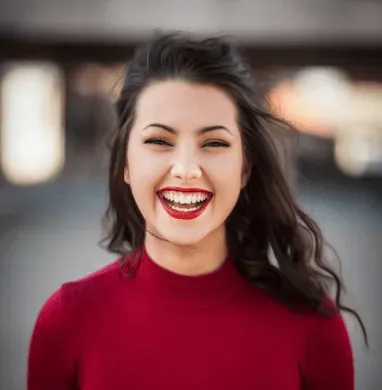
(184, 238)
(178, 240)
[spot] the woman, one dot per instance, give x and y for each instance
(198, 204)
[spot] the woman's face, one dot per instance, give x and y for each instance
(185, 160)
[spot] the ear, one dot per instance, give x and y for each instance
(126, 175)
(246, 174)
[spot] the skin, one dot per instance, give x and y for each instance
(187, 158)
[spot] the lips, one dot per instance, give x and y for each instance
(184, 203)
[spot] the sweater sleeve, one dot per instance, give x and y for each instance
(328, 360)
(51, 358)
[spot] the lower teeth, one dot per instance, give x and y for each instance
(183, 208)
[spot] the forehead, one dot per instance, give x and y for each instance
(178, 101)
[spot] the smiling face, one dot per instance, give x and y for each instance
(185, 160)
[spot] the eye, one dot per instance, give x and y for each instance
(216, 144)
(157, 141)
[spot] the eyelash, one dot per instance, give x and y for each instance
(218, 144)
(157, 141)
(162, 142)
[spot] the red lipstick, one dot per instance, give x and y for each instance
(179, 214)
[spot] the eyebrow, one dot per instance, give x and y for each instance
(203, 130)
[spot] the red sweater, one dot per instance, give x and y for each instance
(163, 331)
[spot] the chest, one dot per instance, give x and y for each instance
(226, 348)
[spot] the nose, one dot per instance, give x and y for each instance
(186, 168)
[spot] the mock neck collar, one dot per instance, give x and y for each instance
(216, 288)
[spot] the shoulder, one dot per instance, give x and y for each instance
(322, 330)
(99, 278)
(91, 290)
(327, 354)
(56, 336)
(322, 343)
(74, 296)
(325, 333)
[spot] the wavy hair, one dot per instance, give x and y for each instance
(276, 245)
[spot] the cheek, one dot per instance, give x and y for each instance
(226, 181)
(228, 188)
(226, 169)
(139, 173)
(143, 194)
(140, 162)
(146, 172)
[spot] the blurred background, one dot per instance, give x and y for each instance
(318, 64)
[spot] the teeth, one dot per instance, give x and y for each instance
(185, 198)
(185, 210)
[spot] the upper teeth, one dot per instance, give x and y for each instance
(185, 198)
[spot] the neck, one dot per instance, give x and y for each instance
(197, 259)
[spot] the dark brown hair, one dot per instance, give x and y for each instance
(266, 219)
